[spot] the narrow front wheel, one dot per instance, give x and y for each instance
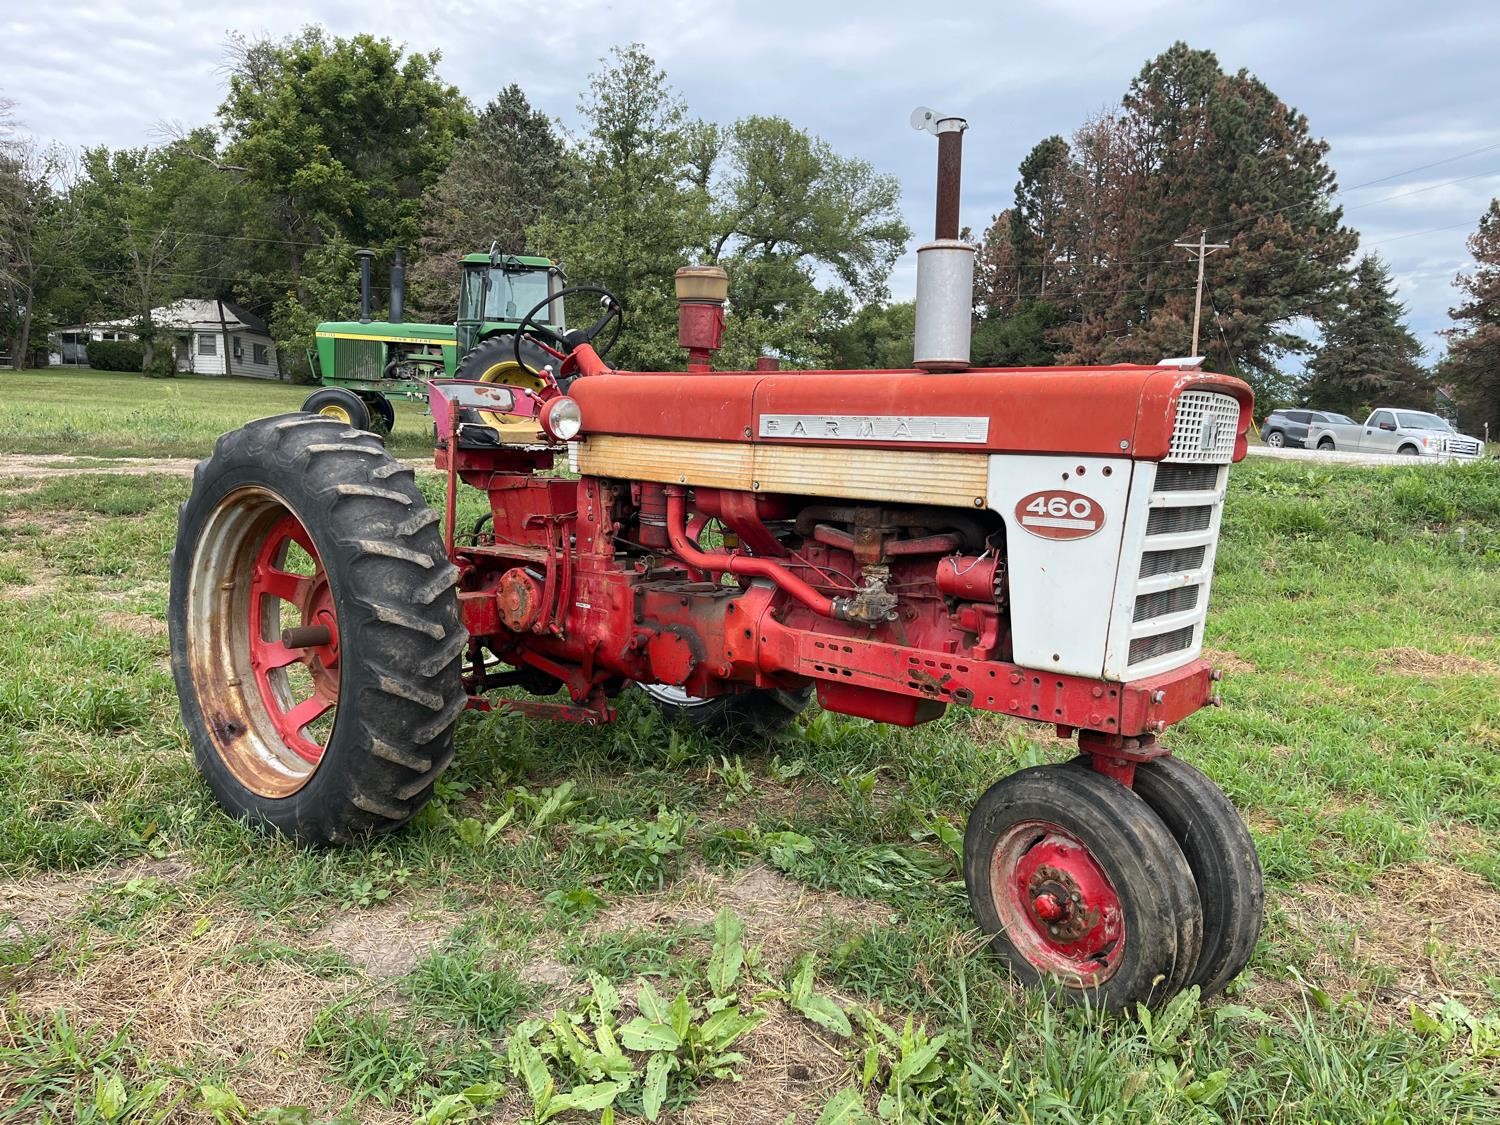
(1077, 882)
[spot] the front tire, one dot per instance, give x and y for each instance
(339, 404)
(301, 523)
(1076, 881)
(1222, 856)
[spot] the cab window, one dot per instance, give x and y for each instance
(1382, 418)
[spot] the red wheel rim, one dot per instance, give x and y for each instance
(293, 702)
(1057, 907)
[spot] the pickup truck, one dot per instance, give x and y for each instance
(1410, 432)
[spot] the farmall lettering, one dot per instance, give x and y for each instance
(1059, 514)
(876, 427)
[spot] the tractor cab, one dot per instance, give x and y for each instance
(498, 289)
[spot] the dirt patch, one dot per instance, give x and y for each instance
(33, 465)
(180, 995)
(1430, 925)
(790, 1066)
(779, 914)
(1228, 662)
(1433, 666)
(388, 940)
(44, 903)
(137, 623)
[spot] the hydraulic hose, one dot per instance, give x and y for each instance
(729, 562)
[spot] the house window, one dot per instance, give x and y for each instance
(239, 348)
(261, 354)
(208, 344)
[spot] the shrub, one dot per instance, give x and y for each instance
(115, 355)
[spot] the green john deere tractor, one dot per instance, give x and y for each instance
(363, 364)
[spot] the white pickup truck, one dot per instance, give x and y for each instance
(1409, 432)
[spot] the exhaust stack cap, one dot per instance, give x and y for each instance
(702, 283)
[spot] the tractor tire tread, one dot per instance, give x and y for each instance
(401, 684)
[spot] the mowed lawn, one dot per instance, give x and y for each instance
(117, 414)
(160, 962)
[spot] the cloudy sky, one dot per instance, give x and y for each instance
(1404, 91)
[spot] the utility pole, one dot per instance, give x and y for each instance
(1202, 249)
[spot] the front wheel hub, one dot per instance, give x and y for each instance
(1059, 908)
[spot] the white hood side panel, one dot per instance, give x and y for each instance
(1062, 591)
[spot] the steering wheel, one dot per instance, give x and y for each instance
(614, 310)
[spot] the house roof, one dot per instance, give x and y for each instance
(196, 314)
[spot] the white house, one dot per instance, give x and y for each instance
(206, 335)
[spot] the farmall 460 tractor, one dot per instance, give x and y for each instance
(1037, 543)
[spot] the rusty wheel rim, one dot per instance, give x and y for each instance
(269, 706)
(1056, 905)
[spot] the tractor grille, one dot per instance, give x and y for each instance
(1186, 478)
(1165, 562)
(1169, 521)
(1164, 602)
(1143, 649)
(1205, 428)
(357, 359)
(1170, 595)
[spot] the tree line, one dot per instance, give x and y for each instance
(324, 144)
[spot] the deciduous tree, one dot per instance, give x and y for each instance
(1473, 361)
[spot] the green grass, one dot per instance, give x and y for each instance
(1358, 612)
(118, 414)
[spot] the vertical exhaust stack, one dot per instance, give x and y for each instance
(945, 266)
(398, 285)
(701, 293)
(366, 257)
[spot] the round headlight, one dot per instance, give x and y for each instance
(562, 419)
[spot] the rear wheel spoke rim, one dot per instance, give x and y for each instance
(260, 698)
(1057, 906)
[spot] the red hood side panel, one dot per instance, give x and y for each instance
(1103, 411)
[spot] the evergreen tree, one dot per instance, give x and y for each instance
(503, 177)
(1473, 362)
(1369, 357)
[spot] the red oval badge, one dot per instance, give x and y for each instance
(1059, 514)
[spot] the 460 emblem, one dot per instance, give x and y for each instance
(1059, 514)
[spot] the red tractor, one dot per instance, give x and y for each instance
(1037, 543)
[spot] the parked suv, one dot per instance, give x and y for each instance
(1289, 427)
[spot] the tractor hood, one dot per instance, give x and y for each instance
(406, 332)
(1124, 410)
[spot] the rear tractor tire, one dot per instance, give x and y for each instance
(339, 404)
(315, 632)
(1078, 884)
(746, 716)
